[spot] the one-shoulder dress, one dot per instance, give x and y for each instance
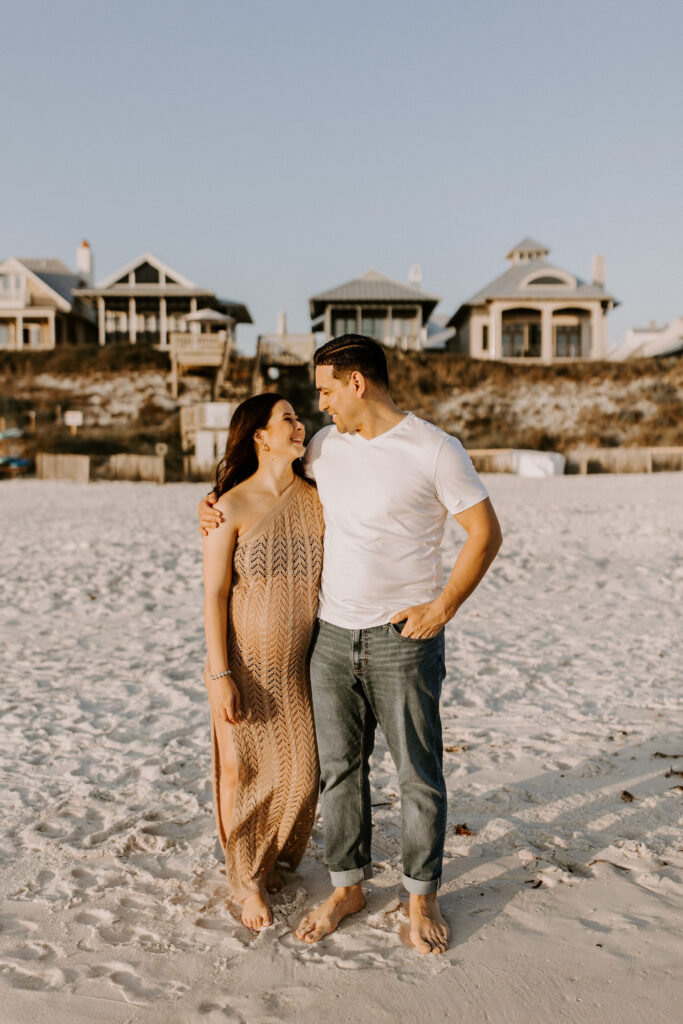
(271, 614)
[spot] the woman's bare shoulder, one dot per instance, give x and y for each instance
(236, 503)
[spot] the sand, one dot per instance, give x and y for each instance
(562, 693)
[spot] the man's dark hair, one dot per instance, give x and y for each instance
(350, 352)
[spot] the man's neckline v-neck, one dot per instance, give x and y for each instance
(385, 433)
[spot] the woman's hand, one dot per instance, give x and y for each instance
(210, 517)
(224, 698)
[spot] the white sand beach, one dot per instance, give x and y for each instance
(563, 727)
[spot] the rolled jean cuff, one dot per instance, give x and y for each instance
(419, 887)
(342, 879)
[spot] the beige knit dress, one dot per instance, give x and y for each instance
(271, 614)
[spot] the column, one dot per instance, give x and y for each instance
(359, 319)
(495, 331)
(163, 332)
(193, 304)
(597, 350)
(547, 348)
(328, 322)
(132, 322)
(101, 337)
(51, 329)
(388, 339)
(19, 337)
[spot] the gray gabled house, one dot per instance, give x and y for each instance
(373, 304)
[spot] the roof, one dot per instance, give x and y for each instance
(206, 315)
(374, 287)
(56, 275)
(527, 245)
(510, 285)
(146, 257)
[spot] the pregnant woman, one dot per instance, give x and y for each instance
(261, 574)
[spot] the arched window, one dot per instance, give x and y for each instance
(546, 279)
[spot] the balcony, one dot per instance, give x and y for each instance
(194, 349)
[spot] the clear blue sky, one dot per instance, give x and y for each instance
(271, 150)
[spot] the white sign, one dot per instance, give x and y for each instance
(73, 418)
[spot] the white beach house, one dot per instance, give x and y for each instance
(39, 307)
(535, 311)
(147, 301)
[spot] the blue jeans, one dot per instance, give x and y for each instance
(360, 678)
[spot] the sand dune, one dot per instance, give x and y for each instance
(564, 871)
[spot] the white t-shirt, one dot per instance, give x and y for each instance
(385, 503)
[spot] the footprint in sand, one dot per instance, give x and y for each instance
(134, 987)
(15, 926)
(33, 951)
(51, 979)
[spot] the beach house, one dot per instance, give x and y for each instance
(535, 311)
(394, 313)
(39, 305)
(146, 302)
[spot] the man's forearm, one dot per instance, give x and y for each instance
(477, 554)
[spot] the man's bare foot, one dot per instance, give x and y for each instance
(429, 933)
(256, 913)
(275, 882)
(325, 918)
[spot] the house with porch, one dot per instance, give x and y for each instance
(535, 311)
(147, 302)
(39, 305)
(373, 304)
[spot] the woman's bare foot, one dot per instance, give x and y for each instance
(275, 882)
(256, 912)
(325, 918)
(429, 933)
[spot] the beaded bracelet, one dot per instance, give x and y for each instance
(220, 675)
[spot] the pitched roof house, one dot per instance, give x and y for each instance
(535, 310)
(146, 301)
(39, 307)
(373, 304)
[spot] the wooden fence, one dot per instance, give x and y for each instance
(127, 466)
(626, 460)
(492, 460)
(587, 460)
(53, 466)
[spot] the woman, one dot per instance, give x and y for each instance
(261, 573)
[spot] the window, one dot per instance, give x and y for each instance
(146, 274)
(547, 279)
(373, 323)
(568, 342)
(485, 338)
(32, 336)
(403, 325)
(344, 322)
(521, 340)
(4, 334)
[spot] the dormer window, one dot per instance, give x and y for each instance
(546, 279)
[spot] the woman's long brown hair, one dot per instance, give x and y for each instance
(240, 460)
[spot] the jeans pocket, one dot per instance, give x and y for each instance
(396, 627)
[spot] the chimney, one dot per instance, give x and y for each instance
(282, 322)
(598, 269)
(415, 275)
(84, 262)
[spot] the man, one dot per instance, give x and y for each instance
(387, 481)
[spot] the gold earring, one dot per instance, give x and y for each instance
(265, 447)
